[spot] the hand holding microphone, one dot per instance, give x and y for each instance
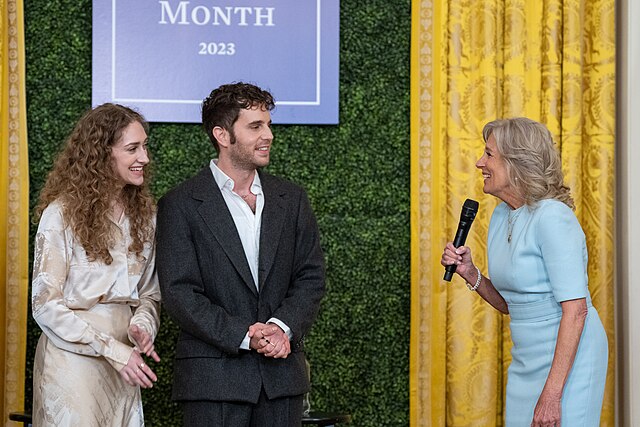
(468, 214)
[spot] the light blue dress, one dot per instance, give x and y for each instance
(544, 264)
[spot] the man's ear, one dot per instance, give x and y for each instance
(221, 135)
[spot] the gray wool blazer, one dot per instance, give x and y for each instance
(208, 290)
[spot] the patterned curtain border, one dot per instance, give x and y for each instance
(16, 204)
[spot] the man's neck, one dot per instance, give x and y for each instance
(242, 178)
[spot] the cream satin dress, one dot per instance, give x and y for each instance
(84, 309)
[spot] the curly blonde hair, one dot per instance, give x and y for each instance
(85, 182)
(533, 164)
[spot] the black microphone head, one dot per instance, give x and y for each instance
(469, 210)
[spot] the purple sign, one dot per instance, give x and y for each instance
(164, 57)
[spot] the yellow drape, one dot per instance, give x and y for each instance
(14, 208)
(472, 62)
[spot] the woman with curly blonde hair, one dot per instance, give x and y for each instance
(95, 292)
(537, 256)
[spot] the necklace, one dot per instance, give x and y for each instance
(511, 221)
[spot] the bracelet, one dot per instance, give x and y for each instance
(474, 287)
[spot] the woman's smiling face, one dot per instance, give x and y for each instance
(129, 155)
(494, 172)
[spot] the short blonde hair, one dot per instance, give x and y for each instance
(533, 163)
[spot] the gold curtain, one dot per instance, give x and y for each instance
(472, 62)
(14, 208)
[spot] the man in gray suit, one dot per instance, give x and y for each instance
(241, 273)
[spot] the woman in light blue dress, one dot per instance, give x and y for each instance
(538, 275)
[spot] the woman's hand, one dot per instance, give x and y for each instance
(143, 342)
(461, 257)
(547, 411)
(136, 372)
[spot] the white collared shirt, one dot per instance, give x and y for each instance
(248, 225)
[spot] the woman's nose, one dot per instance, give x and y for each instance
(143, 157)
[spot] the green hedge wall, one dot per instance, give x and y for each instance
(356, 174)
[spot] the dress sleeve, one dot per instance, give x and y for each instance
(147, 314)
(53, 250)
(564, 252)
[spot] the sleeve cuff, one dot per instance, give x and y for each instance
(245, 342)
(119, 356)
(282, 325)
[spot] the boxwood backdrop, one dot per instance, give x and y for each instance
(356, 174)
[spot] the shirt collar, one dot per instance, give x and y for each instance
(223, 180)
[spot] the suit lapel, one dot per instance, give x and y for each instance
(273, 215)
(216, 215)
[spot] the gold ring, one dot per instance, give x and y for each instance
(142, 365)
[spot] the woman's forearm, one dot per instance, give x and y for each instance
(574, 314)
(489, 293)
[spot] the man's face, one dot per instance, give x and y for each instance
(251, 139)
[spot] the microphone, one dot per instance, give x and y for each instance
(468, 214)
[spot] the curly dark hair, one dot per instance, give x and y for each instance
(83, 179)
(222, 106)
